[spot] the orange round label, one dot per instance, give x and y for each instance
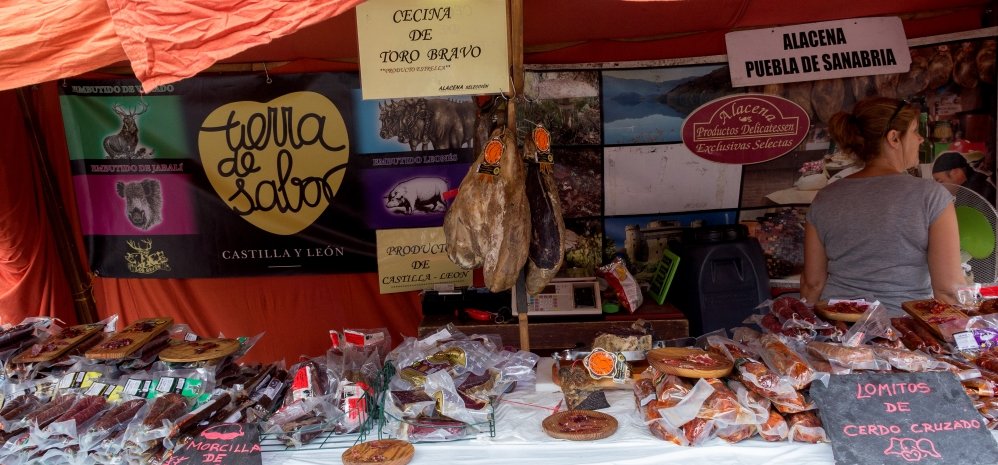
(542, 139)
(601, 363)
(493, 151)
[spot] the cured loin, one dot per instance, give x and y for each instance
(488, 224)
(547, 237)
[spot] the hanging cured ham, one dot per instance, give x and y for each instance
(940, 67)
(965, 66)
(488, 224)
(986, 62)
(861, 87)
(827, 96)
(887, 85)
(547, 238)
(917, 78)
(800, 93)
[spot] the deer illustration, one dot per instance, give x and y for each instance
(123, 144)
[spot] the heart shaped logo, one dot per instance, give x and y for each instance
(276, 164)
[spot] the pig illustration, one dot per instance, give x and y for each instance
(422, 194)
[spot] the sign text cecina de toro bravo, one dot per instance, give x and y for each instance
(829, 61)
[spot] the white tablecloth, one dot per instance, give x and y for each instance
(521, 441)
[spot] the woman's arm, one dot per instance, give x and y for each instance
(944, 256)
(812, 280)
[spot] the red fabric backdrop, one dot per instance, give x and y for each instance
(295, 312)
(32, 282)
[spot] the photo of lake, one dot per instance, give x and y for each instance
(637, 108)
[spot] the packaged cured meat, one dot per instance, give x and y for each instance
(853, 358)
(775, 428)
(547, 226)
(732, 421)
(785, 361)
(806, 427)
(167, 407)
(909, 360)
(624, 285)
(488, 224)
(793, 310)
(915, 338)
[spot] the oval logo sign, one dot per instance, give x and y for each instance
(745, 128)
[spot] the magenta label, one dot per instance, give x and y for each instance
(745, 128)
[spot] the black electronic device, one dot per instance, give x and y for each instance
(722, 279)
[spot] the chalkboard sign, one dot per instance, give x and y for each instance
(222, 444)
(910, 419)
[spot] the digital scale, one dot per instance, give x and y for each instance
(564, 296)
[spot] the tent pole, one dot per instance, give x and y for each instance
(515, 23)
(76, 275)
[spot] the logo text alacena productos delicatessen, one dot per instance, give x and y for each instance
(745, 128)
(277, 164)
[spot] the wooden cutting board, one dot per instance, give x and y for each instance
(199, 350)
(579, 425)
(130, 339)
(59, 343)
(828, 312)
(381, 452)
(689, 362)
(935, 315)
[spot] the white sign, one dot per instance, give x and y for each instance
(826, 50)
(422, 48)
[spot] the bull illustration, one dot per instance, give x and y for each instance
(423, 194)
(424, 123)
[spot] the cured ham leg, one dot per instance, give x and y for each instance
(488, 224)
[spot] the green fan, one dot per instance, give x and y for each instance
(977, 221)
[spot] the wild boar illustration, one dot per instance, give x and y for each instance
(143, 202)
(423, 194)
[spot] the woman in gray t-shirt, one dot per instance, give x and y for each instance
(881, 233)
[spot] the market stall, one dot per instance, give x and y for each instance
(231, 235)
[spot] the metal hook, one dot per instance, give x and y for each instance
(267, 73)
(64, 83)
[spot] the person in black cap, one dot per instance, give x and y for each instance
(952, 168)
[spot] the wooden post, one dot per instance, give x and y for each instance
(515, 24)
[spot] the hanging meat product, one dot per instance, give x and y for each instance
(547, 238)
(940, 66)
(827, 96)
(800, 93)
(861, 87)
(887, 84)
(986, 62)
(965, 66)
(917, 78)
(488, 224)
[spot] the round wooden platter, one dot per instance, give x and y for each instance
(380, 451)
(199, 350)
(689, 362)
(827, 312)
(579, 425)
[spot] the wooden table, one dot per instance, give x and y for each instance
(550, 334)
